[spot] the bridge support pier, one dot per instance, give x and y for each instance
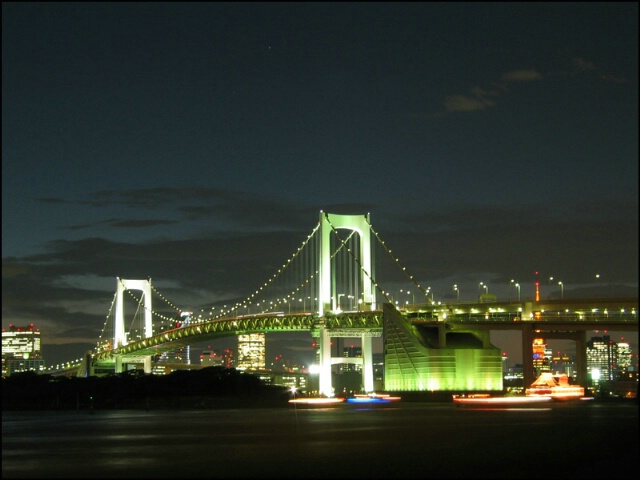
(442, 336)
(326, 361)
(581, 358)
(119, 364)
(147, 364)
(528, 373)
(367, 363)
(324, 341)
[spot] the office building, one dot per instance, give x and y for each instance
(541, 356)
(21, 349)
(214, 358)
(606, 359)
(251, 351)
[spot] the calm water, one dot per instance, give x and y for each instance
(408, 440)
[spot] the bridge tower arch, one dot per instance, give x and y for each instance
(328, 302)
(120, 336)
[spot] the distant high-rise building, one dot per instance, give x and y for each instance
(601, 358)
(21, 349)
(624, 358)
(607, 359)
(251, 351)
(563, 363)
(177, 355)
(541, 356)
(213, 358)
(351, 352)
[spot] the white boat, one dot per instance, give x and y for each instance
(555, 386)
(486, 400)
(546, 388)
(316, 401)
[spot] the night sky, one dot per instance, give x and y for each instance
(196, 143)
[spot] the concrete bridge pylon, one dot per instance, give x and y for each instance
(328, 302)
(120, 336)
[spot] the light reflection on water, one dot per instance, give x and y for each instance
(404, 441)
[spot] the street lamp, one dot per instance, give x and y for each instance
(455, 288)
(517, 285)
(427, 292)
(561, 290)
(413, 297)
(340, 295)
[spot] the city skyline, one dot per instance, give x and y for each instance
(196, 144)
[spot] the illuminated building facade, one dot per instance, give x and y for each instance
(601, 357)
(178, 355)
(21, 349)
(624, 358)
(351, 352)
(541, 356)
(211, 358)
(606, 359)
(251, 351)
(563, 363)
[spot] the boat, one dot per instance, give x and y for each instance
(546, 388)
(486, 400)
(555, 386)
(372, 398)
(316, 401)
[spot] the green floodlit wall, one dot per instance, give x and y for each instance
(413, 362)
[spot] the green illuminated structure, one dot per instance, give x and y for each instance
(433, 358)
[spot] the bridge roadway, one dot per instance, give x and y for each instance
(346, 324)
(570, 315)
(564, 319)
(569, 319)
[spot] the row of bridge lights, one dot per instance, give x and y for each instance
(516, 285)
(261, 306)
(398, 301)
(481, 286)
(264, 305)
(289, 301)
(65, 365)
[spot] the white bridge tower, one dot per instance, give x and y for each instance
(120, 336)
(327, 302)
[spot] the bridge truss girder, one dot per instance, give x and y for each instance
(199, 332)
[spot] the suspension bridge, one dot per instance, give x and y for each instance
(328, 288)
